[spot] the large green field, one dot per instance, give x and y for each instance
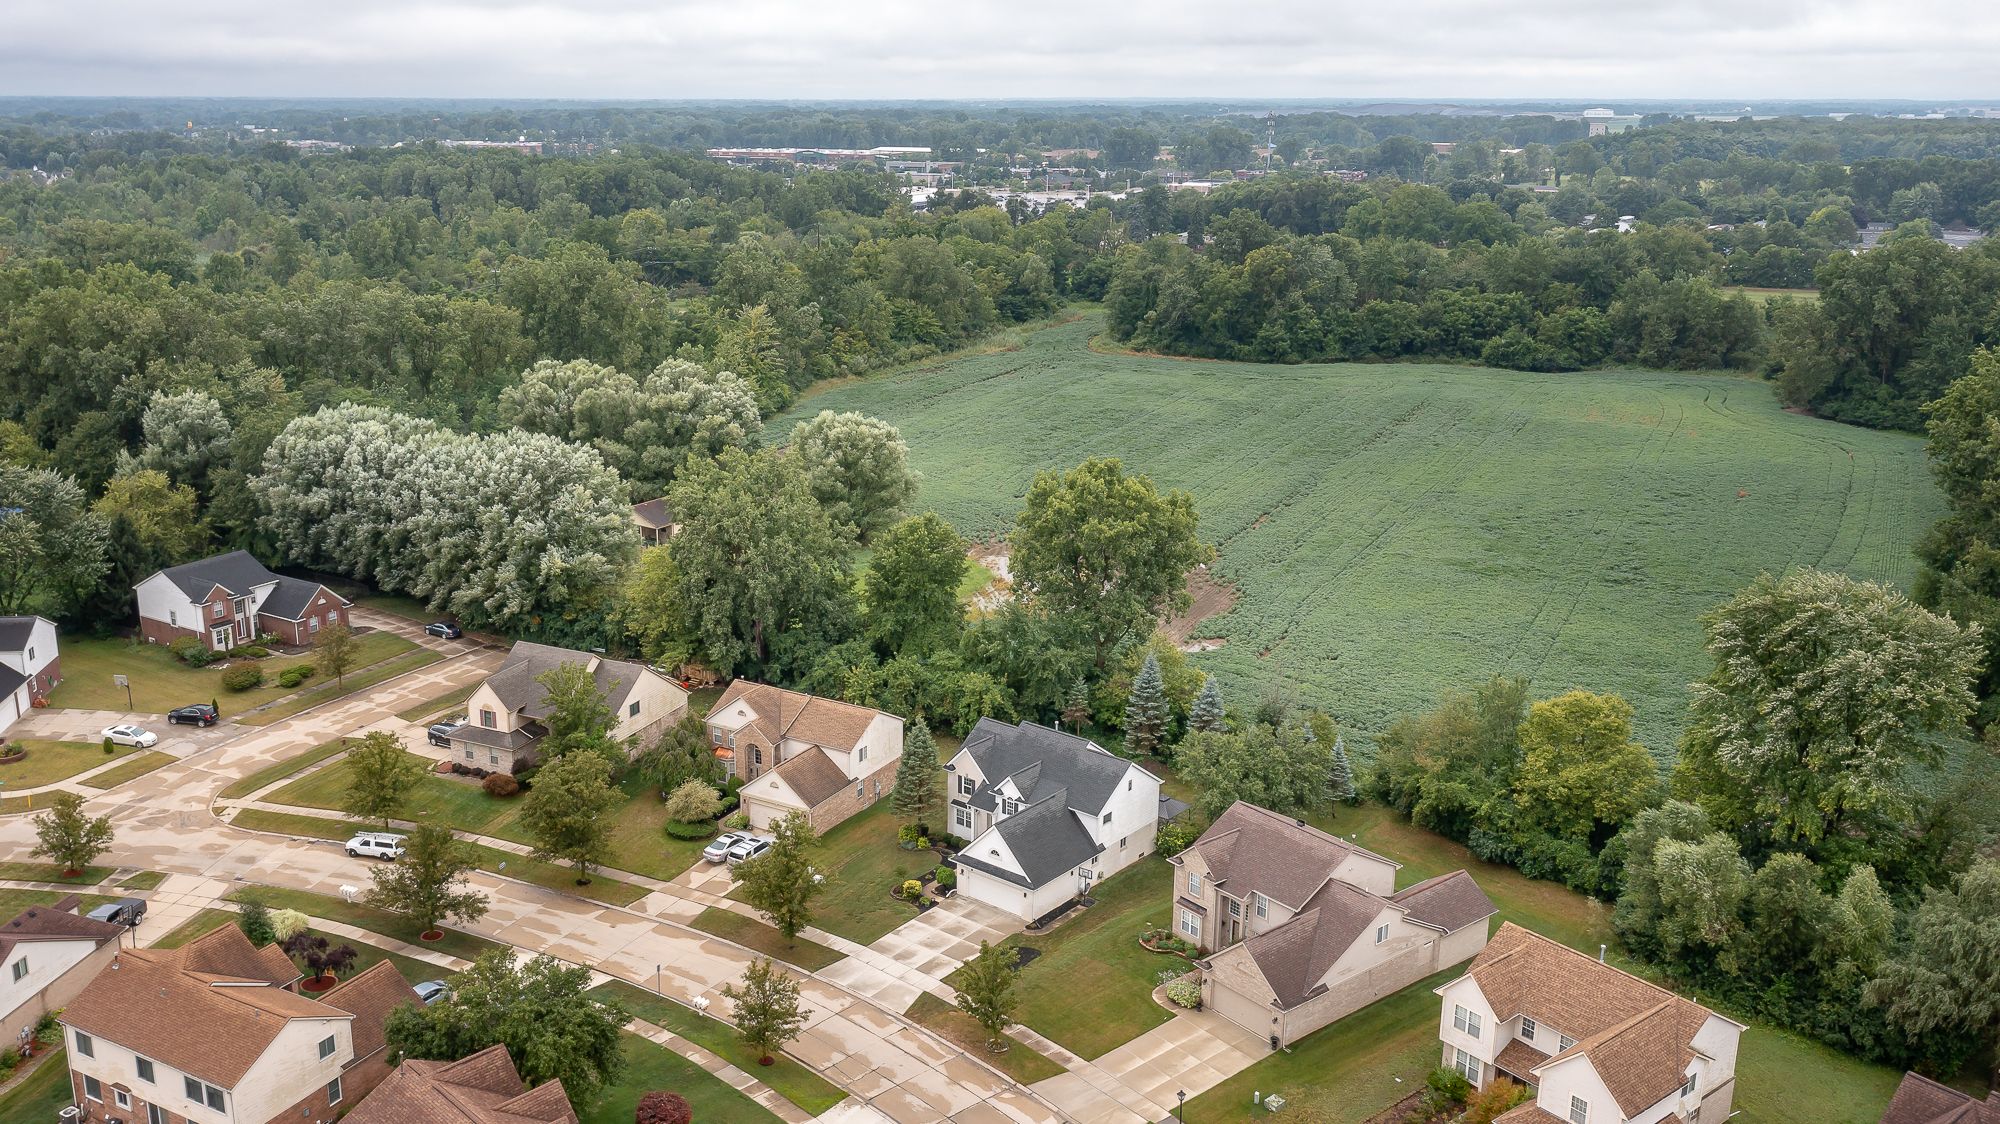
(1396, 529)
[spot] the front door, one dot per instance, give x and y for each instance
(219, 638)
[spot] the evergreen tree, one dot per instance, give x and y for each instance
(1341, 776)
(254, 918)
(916, 793)
(1076, 708)
(1207, 714)
(1146, 709)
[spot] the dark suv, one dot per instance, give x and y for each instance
(440, 732)
(200, 714)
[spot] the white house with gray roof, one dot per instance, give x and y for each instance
(29, 665)
(504, 716)
(1047, 815)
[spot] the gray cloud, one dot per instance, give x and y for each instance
(1941, 49)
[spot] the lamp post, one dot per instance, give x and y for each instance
(1180, 1114)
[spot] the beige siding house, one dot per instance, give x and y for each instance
(801, 753)
(1303, 928)
(1598, 1046)
(48, 953)
(504, 716)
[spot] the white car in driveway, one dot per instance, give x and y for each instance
(718, 848)
(127, 734)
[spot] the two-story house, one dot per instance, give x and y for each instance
(1599, 1046)
(229, 600)
(504, 715)
(1047, 814)
(1303, 927)
(1919, 1100)
(802, 753)
(30, 666)
(481, 1088)
(48, 953)
(210, 1033)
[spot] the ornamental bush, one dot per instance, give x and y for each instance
(913, 889)
(242, 678)
(295, 674)
(1184, 992)
(679, 830)
(500, 785)
(946, 877)
(191, 651)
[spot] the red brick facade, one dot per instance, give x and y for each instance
(299, 633)
(45, 680)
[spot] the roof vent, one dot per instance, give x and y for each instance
(1301, 823)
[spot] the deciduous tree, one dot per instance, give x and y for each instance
(68, 836)
(986, 992)
(858, 468)
(693, 801)
(912, 585)
(1580, 769)
(431, 882)
(1282, 770)
(682, 754)
(381, 776)
(52, 547)
(766, 1008)
(1940, 990)
(579, 716)
(781, 883)
(334, 653)
(160, 512)
(567, 812)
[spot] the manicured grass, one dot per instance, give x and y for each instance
(51, 872)
(650, 1066)
(1397, 529)
(138, 766)
(200, 925)
(367, 955)
(861, 861)
(1782, 1078)
(787, 1076)
(45, 1093)
(1019, 1061)
(396, 605)
(455, 943)
(160, 682)
(279, 770)
(361, 679)
(48, 762)
(453, 701)
(460, 804)
(754, 934)
(13, 901)
(144, 880)
(1091, 989)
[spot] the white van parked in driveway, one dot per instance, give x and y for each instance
(376, 845)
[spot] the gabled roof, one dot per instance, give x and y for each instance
(778, 714)
(1448, 902)
(1046, 839)
(1296, 956)
(1044, 764)
(57, 921)
(654, 514)
(516, 682)
(15, 632)
(369, 996)
(1919, 1100)
(238, 573)
(10, 680)
(1251, 849)
(481, 1088)
(812, 775)
(147, 1000)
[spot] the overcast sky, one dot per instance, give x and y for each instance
(1596, 50)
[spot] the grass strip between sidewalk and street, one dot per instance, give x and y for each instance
(452, 701)
(761, 938)
(279, 770)
(53, 872)
(1019, 1061)
(463, 945)
(132, 769)
(355, 681)
(650, 1066)
(790, 1078)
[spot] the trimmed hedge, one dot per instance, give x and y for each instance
(296, 674)
(680, 830)
(242, 678)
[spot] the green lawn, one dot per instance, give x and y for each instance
(861, 861)
(1091, 990)
(13, 901)
(754, 934)
(45, 1093)
(201, 924)
(396, 605)
(455, 943)
(160, 682)
(1396, 529)
(1019, 1061)
(138, 765)
(144, 880)
(363, 677)
(279, 770)
(649, 1066)
(48, 762)
(791, 1079)
(50, 872)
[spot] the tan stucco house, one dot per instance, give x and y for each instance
(1302, 928)
(503, 717)
(1598, 1046)
(801, 753)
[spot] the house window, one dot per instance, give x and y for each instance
(31, 654)
(155, 1114)
(84, 1046)
(202, 1093)
(1467, 1021)
(92, 1089)
(1190, 924)
(333, 1093)
(326, 1047)
(145, 1069)
(1579, 1110)
(1467, 1065)
(1687, 1089)
(1235, 907)
(312, 624)
(632, 711)
(861, 754)
(1262, 903)
(492, 757)
(20, 969)
(756, 755)
(218, 610)
(1009, 806)
(961, 818)
(121, 1098)
(1194, 883)
(1527, 1028)
(860, 790)
(487, 718)
(173, 618)
(1106, 820)
(1564, 1043)
(1381, 933)
(965, 786)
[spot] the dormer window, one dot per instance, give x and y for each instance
(1009, 806)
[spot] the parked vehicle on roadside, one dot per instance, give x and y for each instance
(430, 991)
(376, 845)
(125, 911)
(199, 714)
(127, 734)
(444, 630)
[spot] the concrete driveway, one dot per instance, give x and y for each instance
(937, 941)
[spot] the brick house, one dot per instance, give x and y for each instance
(48, 954)
(230, 600)
(801, 753)
(30, 666)
(481, 1088)
(212, 1033)
(1303, 928)
(504, 715)
(1597, 1045)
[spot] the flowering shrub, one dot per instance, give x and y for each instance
(1184, 993)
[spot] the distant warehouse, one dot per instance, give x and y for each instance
(817, 155)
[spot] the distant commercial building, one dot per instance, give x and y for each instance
(815, 155)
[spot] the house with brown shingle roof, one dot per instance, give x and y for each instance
(1919, 1100)
(1303, 928)
(48, 953)
(504, 717)
(483, 1088)
(801, 753)
(1598, 1046)
(213, 1032)
(655, 521)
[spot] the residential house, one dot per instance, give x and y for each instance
(1599, 1046)
(30, 666)
(229, 600)
(1047, 814)
(1303, 927)
(212, 1033)
(49, 953)
(801, 753)
(655, 522)
(1919, 1100)
(483, 1088)
(504, 716)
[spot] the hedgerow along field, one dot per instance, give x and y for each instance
(1394, 530)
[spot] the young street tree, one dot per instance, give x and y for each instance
(567, 812)
(917, 795)
(781, 883)
(431, 882)
(539, 1010)
(334, 653)
(381, 776)
(1146, 713)
(912, 585)
(767, 1008)
(67, 836)
(986, 992)
(1105, 549)
(1207, 714)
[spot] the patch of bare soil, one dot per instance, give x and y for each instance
(1211, 597)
